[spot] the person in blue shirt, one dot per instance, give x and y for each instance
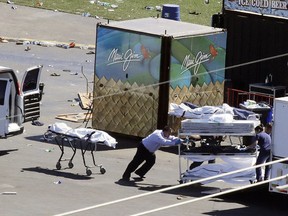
(146, 152)
(263, 140)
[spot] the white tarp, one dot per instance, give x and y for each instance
(230, 163)
(97, 136)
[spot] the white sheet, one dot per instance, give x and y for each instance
(230, 163)
(82, 133)
(204, 112)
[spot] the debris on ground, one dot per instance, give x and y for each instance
(37, 123)
(57, 182)
(54, 74)
(157, 7)
(194, 13)
(86, 14)
(74, 73)
(48, 44)
(149, 7)
(2, 40)
(27, 48)
(39, 4)
(90, 53)
(9, 193)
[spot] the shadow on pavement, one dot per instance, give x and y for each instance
(123, 142)
(57, 173)
(5, 152)
(257, 201)
(253, 200)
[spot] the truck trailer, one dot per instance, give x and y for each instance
(143, 65)
(280, 145)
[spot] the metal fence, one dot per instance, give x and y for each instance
(235, 97)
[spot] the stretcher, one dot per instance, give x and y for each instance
(85, 138)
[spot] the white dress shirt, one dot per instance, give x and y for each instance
(156, 140)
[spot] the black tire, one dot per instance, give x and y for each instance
(102, 170)
(58, 166)
(88, 172)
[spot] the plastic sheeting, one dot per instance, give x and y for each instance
(230, 163)
(95, 136)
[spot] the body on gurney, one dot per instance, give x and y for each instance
(86, 138)
(205, 142)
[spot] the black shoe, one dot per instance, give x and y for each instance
(140, 176)
(137, 179)
(125, 179)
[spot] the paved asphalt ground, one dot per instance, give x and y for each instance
(27, 162)
(44, 25)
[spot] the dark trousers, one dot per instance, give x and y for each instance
(142, 154)
(264, 156)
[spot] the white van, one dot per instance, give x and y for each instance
(19, 104)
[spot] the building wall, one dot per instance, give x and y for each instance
(251, 41)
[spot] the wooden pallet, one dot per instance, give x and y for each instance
(74, 117)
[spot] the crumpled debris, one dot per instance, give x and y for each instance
(27, 48)
(90, 53)
(48, 44)
(114, 6)
(39, 4)
(86, 14)
(106, 4)
(157, 7)
(72, 45)
(2, 40)
(74, 73)
(149, 7)
(66, 46)
(54, 74)
(37, 123)
(194, 13)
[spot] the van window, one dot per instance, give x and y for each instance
(3, 86)
(31, 80)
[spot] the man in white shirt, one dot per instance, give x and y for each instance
(146, 152)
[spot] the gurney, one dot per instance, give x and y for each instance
(85, 138)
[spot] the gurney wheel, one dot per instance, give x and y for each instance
(102, 170)
(88, 172)
(70, 165)
(58, 166)
(182, 181)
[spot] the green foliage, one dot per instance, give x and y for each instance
(194, 11)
